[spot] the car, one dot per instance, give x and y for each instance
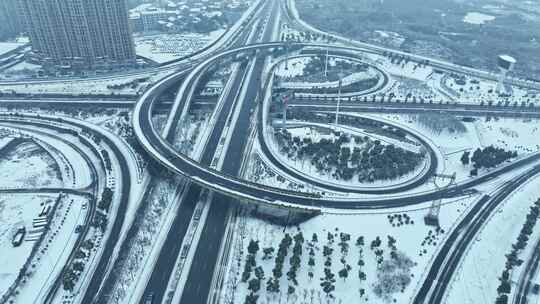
(149, 299)
(536, 289)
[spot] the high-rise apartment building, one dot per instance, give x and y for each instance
(9, 19)
(79, 34)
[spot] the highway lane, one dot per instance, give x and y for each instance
(345, 102)
(199, 281)
(393, 109)
(162, 271)
(117, 223)
(450, 254)
(68, 100)
(179, 224)
(525, 282)
(157, 284)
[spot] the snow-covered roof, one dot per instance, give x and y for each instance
(213, 14)
(508, 58)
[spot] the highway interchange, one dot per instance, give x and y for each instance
(243, 109)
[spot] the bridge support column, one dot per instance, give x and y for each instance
(281, 216)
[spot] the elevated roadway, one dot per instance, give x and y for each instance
(164, 153)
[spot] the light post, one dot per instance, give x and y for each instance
(285, 103)
(326, 65)
(339, 98)
(287, 46)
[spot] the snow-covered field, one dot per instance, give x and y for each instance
(129, 85)
(483, 91)
(422, 81)
(28, 166)
(414, 240)
(508, 133)
(294, 67)
(166, 47)
(400, 68)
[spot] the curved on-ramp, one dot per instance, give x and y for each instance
(271, 155)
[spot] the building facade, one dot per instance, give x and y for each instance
(79, 34)
(9, 19)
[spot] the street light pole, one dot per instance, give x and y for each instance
(285, 104)
(339, 99)
(326, 65)
(286, 56)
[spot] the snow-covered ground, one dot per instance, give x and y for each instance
(72, 166)
(260, 172)
(508, 133)
(294, 67)
(128, 85)
(28, 166)
(423, 81)
(188, 132)
(292, 70)
(415, 240)
(477, 18)
(306, 168)
(347, 80)
(20, 70)
(483, 91)
(408, 69)
(291, 34)
(166, 47)
(6, 47)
